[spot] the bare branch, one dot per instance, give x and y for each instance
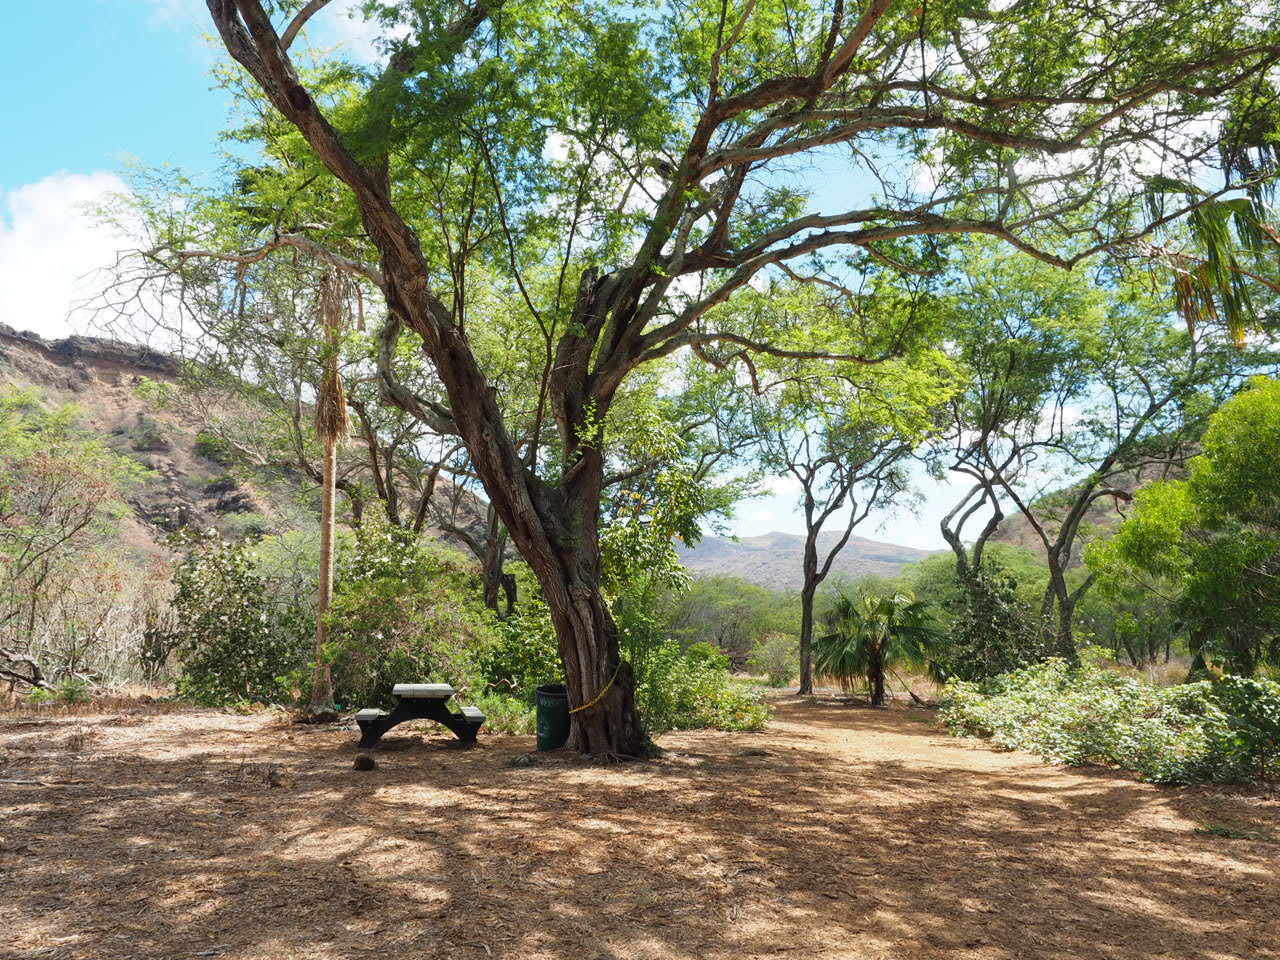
(299, 21)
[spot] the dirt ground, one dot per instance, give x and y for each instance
(840, 832)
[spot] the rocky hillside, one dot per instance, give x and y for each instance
(100, 377)
(774, 559)
(188, 486)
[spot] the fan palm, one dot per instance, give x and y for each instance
(871, 635)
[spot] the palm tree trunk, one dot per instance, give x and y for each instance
(877, 674)
(331, 426)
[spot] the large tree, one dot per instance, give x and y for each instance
(630, 168)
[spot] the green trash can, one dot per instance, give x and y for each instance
(553, 716)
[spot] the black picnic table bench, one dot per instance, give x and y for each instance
(419, 701)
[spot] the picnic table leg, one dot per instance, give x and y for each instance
(373, 728)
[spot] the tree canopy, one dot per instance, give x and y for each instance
(595, 187)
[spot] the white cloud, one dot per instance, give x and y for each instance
(339, 25)
(49, 247)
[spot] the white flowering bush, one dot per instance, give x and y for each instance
(1226, 730)
(236, 639)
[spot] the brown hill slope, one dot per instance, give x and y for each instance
(100, 377)
(187, 488)
(774, 559)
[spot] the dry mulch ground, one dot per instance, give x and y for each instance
(841, 831)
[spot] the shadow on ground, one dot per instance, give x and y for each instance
(857, 833)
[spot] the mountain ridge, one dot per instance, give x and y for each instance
(775, 559)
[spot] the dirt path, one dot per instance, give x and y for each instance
(841, 832)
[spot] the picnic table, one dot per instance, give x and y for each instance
(419, 701)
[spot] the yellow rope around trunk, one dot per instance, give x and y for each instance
(601, 694)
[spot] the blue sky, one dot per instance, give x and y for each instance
(129, 77)
(93, 83)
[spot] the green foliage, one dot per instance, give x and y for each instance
(403, 611)
(993, 628)
(1137, 624)
(729, 612)
(62, 500)
(1246, 737)
(524, 653)
(988, 617)
(1227, 730)
(870, 636)
(73, 690)
(691, 688)
(777, 656)
(936, 580)
(68, 690)
(234, 641)
(503, 713)
(1215, 537)
(679, 687)
(213, 447)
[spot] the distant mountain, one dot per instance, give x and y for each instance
(774, 559)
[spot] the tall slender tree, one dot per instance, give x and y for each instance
(845, 435)
(332, 427)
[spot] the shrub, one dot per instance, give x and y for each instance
(776, 656)
(403, 611)
(692, 688)
(1244, 737)
(992, 627)
(73, 690)
(523, 653)
(234, 643)
(213, 447)
(504, 714)
(1228, 730)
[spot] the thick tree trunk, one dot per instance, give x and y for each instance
(605, 721)
(321, 677)
(806, 639)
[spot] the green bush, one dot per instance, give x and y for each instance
(504, 714)
(992, 627)
(777, 656)
(692, 688)
(1244, 736)
(404, 611)
(1225, 730)
(73, 690)
(235, 640)
(213, 447)
(523, 653)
